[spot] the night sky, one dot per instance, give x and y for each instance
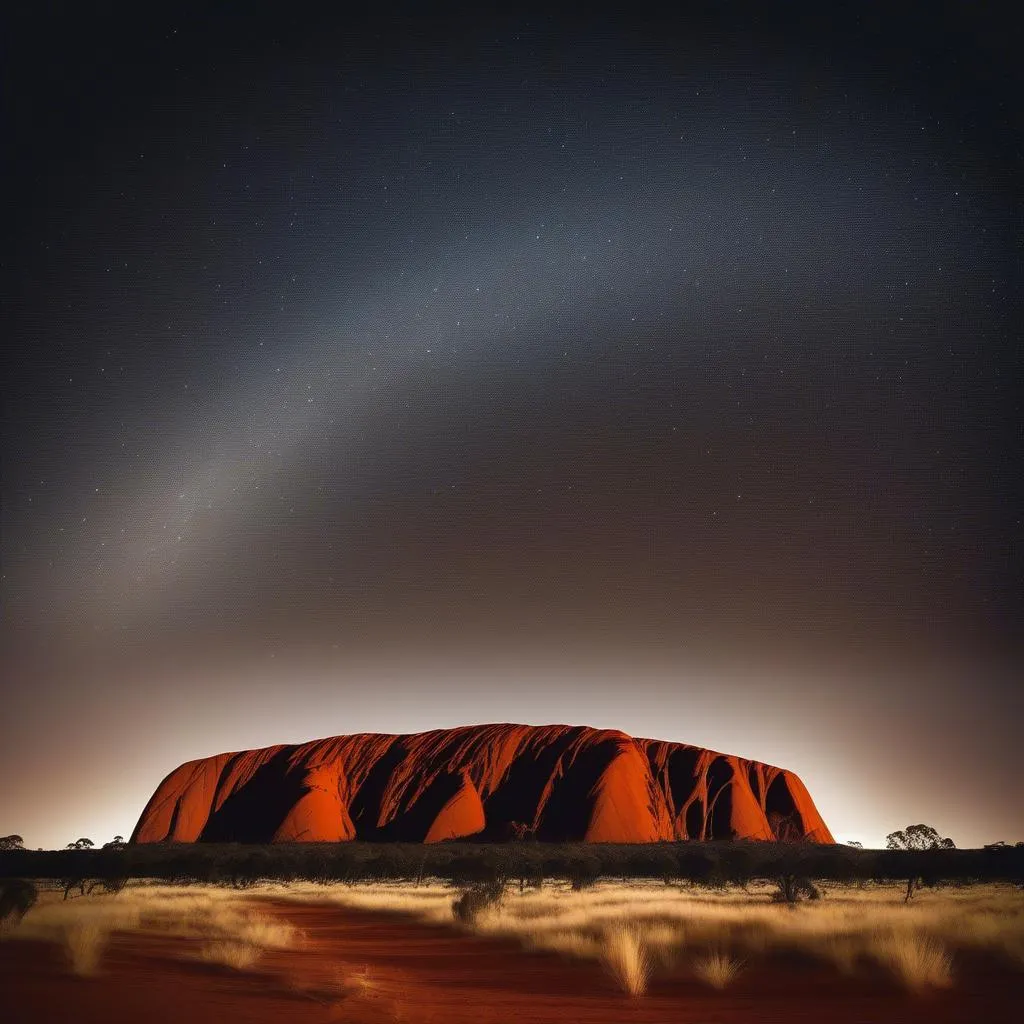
(386, 374)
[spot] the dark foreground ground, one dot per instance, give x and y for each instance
(366, 967)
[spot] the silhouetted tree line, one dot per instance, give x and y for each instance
(715, 864)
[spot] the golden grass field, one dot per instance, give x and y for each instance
(635, 930)
(638, 928)
(220, 928)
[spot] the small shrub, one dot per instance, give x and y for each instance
(17, 897)
(794, 888)
(477, 898)
(112, 886)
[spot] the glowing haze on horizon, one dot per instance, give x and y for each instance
(203, 711)
(396, 376)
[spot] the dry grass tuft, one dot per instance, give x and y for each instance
(256, 929)
(625, 956)
(240, 956)
(664, 940)
(919, 961)
(358, 984)
(573, 943)
(842, 951)
(84, 942)
(717, 969)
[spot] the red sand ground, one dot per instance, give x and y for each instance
(424, 974)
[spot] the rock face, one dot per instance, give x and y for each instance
(555, 782)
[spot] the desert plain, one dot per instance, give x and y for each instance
(424, 952)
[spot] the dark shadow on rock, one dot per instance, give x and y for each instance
(255, 811)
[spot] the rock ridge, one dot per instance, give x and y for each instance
(556, 783)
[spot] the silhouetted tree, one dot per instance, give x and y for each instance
(12, 843)
(70, 882)
(737, 867)
(467, 869)
(529, 870)
(916, 839)
(583, 871)
(74, 879)
(110, 885)
(696, 865)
